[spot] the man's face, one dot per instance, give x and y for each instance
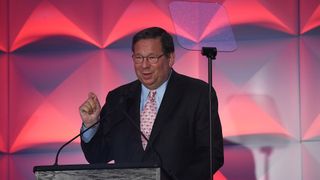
(152, 75)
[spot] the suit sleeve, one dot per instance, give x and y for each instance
(199, 168)
(97, 150)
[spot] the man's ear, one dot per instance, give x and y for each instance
(171, 59)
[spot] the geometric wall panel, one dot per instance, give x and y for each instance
(71, 75)
(102, 23)
(309, 15)
(257, 86)
(127, 21)
(270, 161)
(21, 165)
(53, 52)
(310, 87)
(30, 74)
(189, 62)
(238, 162)
(4, 26)
(120, 62)
(39, 19)
(255, 19)
(4, 102)
(4, 166)
(94, 25)
(263, 161)
(311, 160)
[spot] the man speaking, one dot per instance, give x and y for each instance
(161, 116)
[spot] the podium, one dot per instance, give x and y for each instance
(98, 171)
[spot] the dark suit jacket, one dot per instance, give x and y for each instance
(180, 133)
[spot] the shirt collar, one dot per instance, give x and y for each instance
(160, 92)
(145, 90)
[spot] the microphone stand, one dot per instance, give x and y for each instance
(134, 125)
(211, 53)
(65, 144)
(101, 118)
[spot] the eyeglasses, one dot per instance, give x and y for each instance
(138, 59)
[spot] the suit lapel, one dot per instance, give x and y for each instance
(133, 110)
(170, 99)
(133, 102)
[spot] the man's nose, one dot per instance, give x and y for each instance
(145, 62)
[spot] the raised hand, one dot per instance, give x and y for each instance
(90, 110)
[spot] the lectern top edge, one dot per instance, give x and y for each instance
(94, 166)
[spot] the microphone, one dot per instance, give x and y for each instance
(121, 101)
(65, 144)
(81, 133)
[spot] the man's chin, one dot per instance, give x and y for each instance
(148, 84)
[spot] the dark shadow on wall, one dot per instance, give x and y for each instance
(56, 43)
(238, 162)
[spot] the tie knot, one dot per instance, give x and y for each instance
(152, 95)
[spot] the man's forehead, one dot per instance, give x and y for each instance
(148, 44)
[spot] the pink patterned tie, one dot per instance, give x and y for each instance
(147, 116)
